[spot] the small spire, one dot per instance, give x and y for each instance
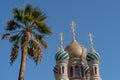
(61, 42)
(72, 24)
(91, 42)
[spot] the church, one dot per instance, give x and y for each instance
(75, 62)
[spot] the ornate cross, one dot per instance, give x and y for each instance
(73, 29)
(61, 41)
(91, 42)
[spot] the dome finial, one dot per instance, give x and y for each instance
(91, 42)
(61, 41)
(72, 24)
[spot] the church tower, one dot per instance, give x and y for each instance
(77, 55)
(74, 62)
(93, 60)
(62, 57)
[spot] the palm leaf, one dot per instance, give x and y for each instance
(12, 25)
(5, 36)
(46, 30)
(36, 53)
(38, 36)
(18, 15)
(42, 28)
(29, 17)
(36, 12)
(14, 53)
(42, 17)
(30, 52)
(43, 42)
(28, 9)
(14, 38)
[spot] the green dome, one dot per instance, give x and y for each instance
(61, 55)
(86, 69)
(92, 55)
(55, 70)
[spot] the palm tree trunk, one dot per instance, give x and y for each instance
(23, 60)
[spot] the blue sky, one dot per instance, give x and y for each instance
(100, 17)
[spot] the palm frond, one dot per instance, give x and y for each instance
(28, 9)
(42, 17)
(44, 43)
(40, 39)
(30, 52)
(14, 38)
(37, 36)
(46, 30)
(36, 12)
(12, 25)
(36, 51)
(28, 12)
(14, 53)
(41, 27)
(5, 36)
(29, 17)
(18, 14)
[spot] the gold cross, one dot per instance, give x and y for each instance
(91, 42)
(73, 24)
(73, 29)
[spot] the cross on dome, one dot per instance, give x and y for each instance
(72, 24)
(61, 41)
(91, 42)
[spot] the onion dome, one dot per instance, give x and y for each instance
(61, 54)
(92, 54)
(86, 69)
(75, 50)
(55, 70)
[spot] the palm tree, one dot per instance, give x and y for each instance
(26, 32)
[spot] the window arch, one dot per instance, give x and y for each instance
(71, 71)
(77, 71)
(95, 69)
(63, 69)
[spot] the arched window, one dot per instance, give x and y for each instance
(71, 71)
(95, 69)
(63, 69)
(76, 70)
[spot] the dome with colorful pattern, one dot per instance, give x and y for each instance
(86, 69)
(61, 55)
(93, 55)
(55, 70)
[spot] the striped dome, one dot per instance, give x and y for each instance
(55, 70)
(92, 55)
(61, 55)
(86, 69)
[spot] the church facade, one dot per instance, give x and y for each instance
(75, 62)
